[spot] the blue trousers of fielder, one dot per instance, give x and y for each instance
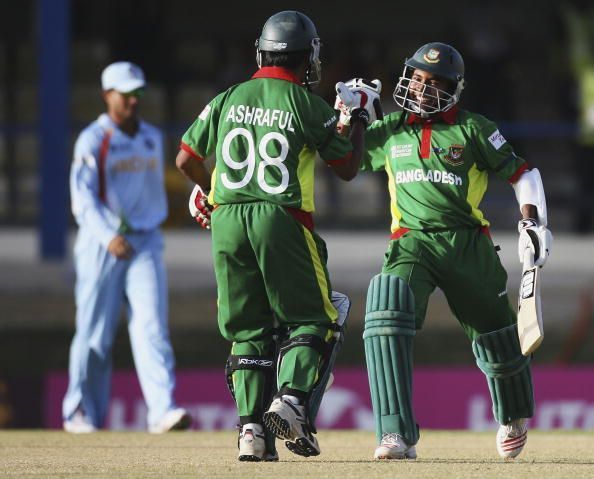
(103, 284)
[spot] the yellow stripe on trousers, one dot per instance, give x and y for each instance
(320, 276)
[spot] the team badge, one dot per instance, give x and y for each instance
(454, 155)
(432, 56)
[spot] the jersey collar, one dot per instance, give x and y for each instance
(277, 72)
(448, 117)
(107, 123)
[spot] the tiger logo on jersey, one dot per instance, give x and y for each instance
(454, 155)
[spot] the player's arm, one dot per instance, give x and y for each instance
(359, 106)
(88, 207)
(193, 168)
(498, 156)
(198, 143)
(347, 168)
(535, 238)
(363, 95)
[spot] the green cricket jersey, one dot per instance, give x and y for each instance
(265, 133)
(437, 170)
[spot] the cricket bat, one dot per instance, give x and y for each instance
(530, 329)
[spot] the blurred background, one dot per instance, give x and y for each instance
(529, 67)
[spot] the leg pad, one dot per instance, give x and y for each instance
(499, 356)
(388, 339)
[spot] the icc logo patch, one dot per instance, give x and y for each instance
(432, 56)
(454, 155)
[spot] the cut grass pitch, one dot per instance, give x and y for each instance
(345, 454)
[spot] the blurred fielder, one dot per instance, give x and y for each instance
(270, 264)
(119, 202)
(437, 158)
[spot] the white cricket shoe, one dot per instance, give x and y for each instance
(289, 421)
(251, 443)
(79, 423)
(174, 420)
(511, 438)
(393, 446)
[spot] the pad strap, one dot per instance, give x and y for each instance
(265, 363)
(236, 362)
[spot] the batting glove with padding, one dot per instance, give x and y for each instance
(356, 95)
(536, 238)
(199, 207)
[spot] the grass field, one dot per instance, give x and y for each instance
(345, 454)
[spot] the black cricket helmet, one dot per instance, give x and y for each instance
(441, 60)
(292, 31)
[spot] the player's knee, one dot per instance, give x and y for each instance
(390, 308)
(498, 353)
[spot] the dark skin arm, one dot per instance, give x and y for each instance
(193, 169)
(349, 169)
(529, 211)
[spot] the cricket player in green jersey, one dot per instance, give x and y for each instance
(270, 265)
(437, 158)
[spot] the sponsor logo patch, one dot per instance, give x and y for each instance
(279, 45)
(432, 56)
(204, 113)
(497, 140)
(454, 155)
(400, 151)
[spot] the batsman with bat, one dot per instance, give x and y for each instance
(437, 157)
(275, 302)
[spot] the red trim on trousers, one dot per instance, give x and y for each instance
(103, 150)
(402, 231)
(305, 218)
(398, 233)
(342, 160)
(485, 230)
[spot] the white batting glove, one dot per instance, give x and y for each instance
(199, 207)
(356, 94)
(537, 239)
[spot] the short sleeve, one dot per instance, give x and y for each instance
(200, 139)
(374, 158)
(329, 144)
(496, 153)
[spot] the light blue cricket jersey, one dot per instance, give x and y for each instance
(116, 181)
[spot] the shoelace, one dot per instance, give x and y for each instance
(516, 428)
(390, 438)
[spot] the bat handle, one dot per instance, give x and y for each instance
(528, 259)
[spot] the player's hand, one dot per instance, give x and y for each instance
(359, 100)
(199, 207)
(120, 248)
(537, 239)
